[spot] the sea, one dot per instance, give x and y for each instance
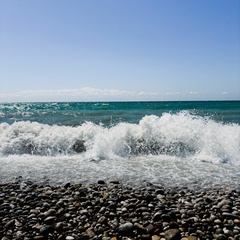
(193, 144)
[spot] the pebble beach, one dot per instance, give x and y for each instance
(120, 170)
(113, 211)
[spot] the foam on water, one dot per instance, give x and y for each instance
(173, 148)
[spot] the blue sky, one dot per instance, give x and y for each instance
(95, 50)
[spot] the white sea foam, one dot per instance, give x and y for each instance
(173, 148)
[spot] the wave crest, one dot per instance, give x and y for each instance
(181, 135)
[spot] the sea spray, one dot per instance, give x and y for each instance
(171, 148)
(180, 135)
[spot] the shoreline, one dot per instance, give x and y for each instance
(113, 211)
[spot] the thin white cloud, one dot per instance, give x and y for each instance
(193, 93)
(97, 94)
(172, 93)
(225, 93)
(81, 94)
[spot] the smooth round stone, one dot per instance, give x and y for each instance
(126, 227)
(124, 209)
(221, 237)
(236, 221)
(9, 224)
(90, 233)
(50, 212)
(157, 217)
(6, 238)
(219, 231)
(217, 221)
(49, 220)
(224, 202)
(150, 228)
(192, 238)
(102, 219)
(40, 237)
(59, 226)
(172, 234)
(69, 238)
(44, 230)
(146, 237)
(140, 228)
(155, 237)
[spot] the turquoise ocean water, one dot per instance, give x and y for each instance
(170, 143)
(110, 113)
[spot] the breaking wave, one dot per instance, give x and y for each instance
(181, 135)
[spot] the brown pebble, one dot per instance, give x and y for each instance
(102, 219)
(155, 237)
(90, 233)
